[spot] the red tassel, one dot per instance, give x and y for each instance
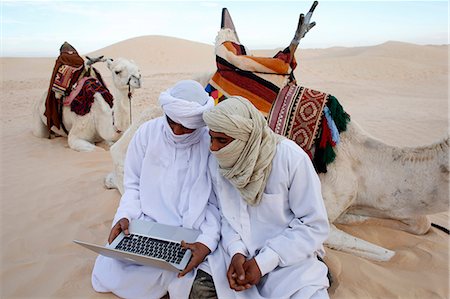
(326, 135)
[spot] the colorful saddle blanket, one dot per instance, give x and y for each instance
(311, 118)
(297, 113)
(259, 79)
(82, 102)
(65, 75)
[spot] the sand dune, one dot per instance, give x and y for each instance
(51, 195)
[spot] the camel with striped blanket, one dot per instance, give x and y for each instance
(367, 181)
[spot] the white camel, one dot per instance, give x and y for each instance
(369, 180)
(102, 123)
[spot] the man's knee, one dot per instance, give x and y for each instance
(203, 287)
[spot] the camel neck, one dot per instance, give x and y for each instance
(121, 108)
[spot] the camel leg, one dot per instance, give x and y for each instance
(110, 181)
(418, 225)
(78, 142)
(80, 145)
(39, 129)
(342, 241)
(339, 187)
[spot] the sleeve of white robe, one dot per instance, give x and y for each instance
(309, 229)
(130, 205)
(210, 226)
(231, 240)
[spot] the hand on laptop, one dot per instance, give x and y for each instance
(121, 225)
(199, 252)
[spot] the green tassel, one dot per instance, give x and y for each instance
(340, 117)
(329, 154)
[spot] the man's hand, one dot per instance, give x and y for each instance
(252, 272)
(199, 252)
(236, 273)
(120, 226)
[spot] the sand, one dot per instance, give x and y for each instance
(51, 195)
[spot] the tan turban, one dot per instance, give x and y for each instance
(247, 161)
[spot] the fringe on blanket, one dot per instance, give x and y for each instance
(323, 150)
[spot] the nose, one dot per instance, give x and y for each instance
(137, 82)
(178, 130)
(214, 146)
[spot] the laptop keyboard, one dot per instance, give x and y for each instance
(169, 251)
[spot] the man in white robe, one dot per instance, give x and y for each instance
(274, 220)
(166, 181)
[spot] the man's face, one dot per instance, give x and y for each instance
(178, 129)
(219, 140)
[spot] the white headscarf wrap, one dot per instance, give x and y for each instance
(185, 103)
(247, 161)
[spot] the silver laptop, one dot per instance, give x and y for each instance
(151, 244)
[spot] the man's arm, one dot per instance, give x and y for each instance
(309, 229)
(209, 238)
(130, 205)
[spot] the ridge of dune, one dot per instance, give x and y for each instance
(163, 53)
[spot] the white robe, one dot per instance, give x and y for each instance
(166, 182)
(284, 232)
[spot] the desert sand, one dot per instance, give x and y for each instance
(51, 195)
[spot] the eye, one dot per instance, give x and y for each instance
(117, 72)
(169, 120)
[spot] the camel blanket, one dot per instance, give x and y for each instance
(312, 119)
(82, 103)
(297, 113)
(64, 78)
(69, 57)
(259, 79)
(293, 111)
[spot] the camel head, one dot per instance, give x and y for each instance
(125, 74)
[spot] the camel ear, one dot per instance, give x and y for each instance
(109, 62)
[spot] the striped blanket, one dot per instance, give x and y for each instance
(259, 79)
(311, 118)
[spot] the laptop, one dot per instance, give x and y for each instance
(150, 244)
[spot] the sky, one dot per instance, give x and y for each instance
(38, 28)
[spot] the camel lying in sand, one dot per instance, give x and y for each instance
(368, 180)
(102, 123)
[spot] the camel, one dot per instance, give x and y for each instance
(102, 123)
(368, 180)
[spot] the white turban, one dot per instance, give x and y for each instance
(247, 161)
(185, 103)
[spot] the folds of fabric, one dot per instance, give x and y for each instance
(283, 233)
(82, 102)
(246, 161)
(68, 56)
(259, 79)
(185, 103)
(170, 185)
